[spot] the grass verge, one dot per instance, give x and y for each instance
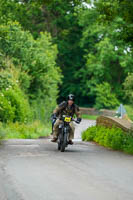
(24, 131)
(129, 110)
(91, 117)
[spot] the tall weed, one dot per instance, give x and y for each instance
(26, 131)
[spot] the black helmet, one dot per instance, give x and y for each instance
(71, 97)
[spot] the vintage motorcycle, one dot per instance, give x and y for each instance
(64, 129)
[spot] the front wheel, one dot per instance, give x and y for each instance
(64, 143)
(59, 141)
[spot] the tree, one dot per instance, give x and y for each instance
(35, 59)
(60, 19)
(94, 44)
(108, 56)
(105, 98)
(109, 10)
(14, 104)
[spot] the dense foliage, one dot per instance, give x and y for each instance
(113, 138)
(105, 98)
(128, 85)
(94, 41)
(108, 54)
(34, 68)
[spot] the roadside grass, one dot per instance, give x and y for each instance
(90, 117)
(129, 110)
(24, 131)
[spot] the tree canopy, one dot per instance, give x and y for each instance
(72, 46)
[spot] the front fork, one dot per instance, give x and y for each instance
(63, 131)
(66, 134)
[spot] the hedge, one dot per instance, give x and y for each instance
(114, 138)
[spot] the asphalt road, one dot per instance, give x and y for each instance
(35, 170)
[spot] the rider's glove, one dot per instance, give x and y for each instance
(78, 120)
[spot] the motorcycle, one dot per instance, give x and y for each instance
(64, 129)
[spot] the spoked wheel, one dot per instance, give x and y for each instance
(59, 141)
(64, 143)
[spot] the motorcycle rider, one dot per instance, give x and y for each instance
(68, 108)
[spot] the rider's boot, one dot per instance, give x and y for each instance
(54, 139)
(70, 142)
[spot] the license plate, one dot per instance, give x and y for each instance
(67, 119)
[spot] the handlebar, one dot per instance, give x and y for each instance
(61, 118)
(75, 121)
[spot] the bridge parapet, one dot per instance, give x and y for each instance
(107, 121)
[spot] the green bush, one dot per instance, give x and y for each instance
(40, 75)
(128, 142)
(34, 67)
(128, 88)
(5, 80)
(2, 132)
(113, 138)
(14, 106)
(90, 136)
(7, 112)
(105, 98)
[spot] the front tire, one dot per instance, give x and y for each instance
(59, 140)
(64, 143)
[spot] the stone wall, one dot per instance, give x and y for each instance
(93, 111)
(113, 121)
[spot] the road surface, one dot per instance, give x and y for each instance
(35, 170)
